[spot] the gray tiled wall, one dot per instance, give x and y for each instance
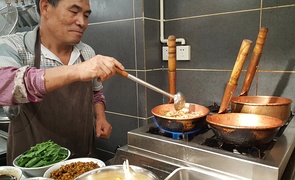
(129, 30)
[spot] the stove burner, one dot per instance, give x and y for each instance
(214, 108)
(282, 129)
(211, 142)
(252, 151)
(188, 135)
(174, 135)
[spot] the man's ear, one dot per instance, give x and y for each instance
(44, 5)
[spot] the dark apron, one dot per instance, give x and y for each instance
(64, 116)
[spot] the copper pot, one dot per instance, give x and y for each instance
(273, 106)
(244, 129)
(180, 124)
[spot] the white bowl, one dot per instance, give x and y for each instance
(84, 159)
(38, 171)
(37, 178)
(11, 170)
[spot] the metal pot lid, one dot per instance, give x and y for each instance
(9, 18)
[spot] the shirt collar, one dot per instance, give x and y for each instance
(30, 39)
(48, 54)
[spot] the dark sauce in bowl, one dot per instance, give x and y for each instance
(7, 177)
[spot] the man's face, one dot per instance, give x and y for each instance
(68, 20)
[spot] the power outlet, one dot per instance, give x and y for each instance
(183, 53)
(165, 53)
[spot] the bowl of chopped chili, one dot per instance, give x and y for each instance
(72, 168)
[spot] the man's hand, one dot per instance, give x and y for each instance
(100, 67)
(103, 129)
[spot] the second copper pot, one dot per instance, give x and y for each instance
(278, 107)
(244, 129)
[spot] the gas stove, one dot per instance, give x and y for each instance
(162, 152)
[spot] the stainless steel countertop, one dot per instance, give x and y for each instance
(163, 155)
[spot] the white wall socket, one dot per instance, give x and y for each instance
(183, 53)
(165, 53)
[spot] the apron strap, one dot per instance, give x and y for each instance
(82, 58)
(37, 51)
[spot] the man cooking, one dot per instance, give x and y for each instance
(51, 82)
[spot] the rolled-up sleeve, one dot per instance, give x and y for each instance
(98, 95)
(21, 85)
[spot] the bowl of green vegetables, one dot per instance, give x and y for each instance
(40, 157)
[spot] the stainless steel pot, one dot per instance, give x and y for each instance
(117, 172)
(8, 20)
(28, 15)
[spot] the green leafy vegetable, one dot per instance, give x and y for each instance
(42, 154)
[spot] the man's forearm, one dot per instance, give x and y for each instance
(99, 110)
(60, 76)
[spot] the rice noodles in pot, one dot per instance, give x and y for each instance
(191, 117)
(183, 113)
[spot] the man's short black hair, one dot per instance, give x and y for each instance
(52, 2)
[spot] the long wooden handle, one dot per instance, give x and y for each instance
(244, 50)
(254, 60)
(171, 53)
(171, 66)
(122, 73)
(233, 81)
